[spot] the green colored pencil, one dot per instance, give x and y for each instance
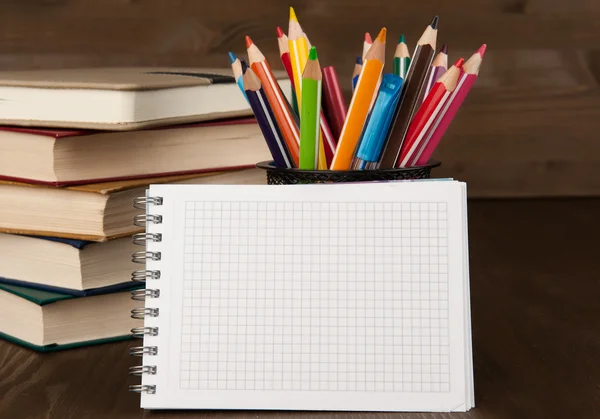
(401, 60)
(310, 112)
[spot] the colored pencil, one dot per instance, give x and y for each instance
(334, 104)
(401, 61)
(266, 120)
(284, 55)
(439, 66)
(299, 45)
(363, 97)
(236, 66)
(366, 44)
(310, 113)
(427, 114)
(413, 84)
(278, 102)
(470, 72)
(356, 73)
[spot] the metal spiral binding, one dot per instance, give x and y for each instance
(139, 388)
(143, 350)
(141, 295)
(139, 332)
(144, 255)
(140, 239)
(143, 312)
(142, 369)
(141, 275)
(141, 220)
(141, 201)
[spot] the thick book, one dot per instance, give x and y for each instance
(343, 297)
(95, 212)
(47, 321)
(121, 98)
(75, 267)
(66, 157)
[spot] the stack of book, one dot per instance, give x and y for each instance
(76, 146)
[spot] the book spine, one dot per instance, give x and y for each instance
(141, 276)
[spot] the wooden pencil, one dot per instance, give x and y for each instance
(366, 44)
(236, 67)
(299, 45)
(363, 96)
(401, 61)
(266, 120)
(278, 102)
(413, 85)
(334, 104)
(310, 113)
(284, 55)
(298, 50)
(439, 66)
(427, 114)
(470, 72)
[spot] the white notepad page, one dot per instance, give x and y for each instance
(311, 297)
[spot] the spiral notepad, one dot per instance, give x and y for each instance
(305, 297)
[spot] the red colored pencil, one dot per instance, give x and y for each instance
(427, 113)
(284, 53)
(334, 104)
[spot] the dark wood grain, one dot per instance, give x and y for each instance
(536, 331)
(529, 128)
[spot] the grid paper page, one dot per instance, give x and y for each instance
(314, 297)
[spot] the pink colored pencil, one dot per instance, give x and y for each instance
(470, 71)
(366, 44)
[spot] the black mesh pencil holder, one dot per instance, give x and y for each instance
(285, 176)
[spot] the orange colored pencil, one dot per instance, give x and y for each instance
(363, 96)
(279, 105)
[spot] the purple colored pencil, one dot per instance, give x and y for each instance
(438, 67)
(266, 120)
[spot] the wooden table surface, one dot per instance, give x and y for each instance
(536, 331)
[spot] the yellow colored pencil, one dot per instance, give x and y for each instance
(299, 46)
(363, 96)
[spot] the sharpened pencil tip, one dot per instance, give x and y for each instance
(444, 49)
(482, 49)
(402, 40)
(368, 38)
(459, 63)
(244, 65)
(381, 36)
(359, 60)
(232, 58)
(293, 15)
(434, 22)
(248, 41)
(280, 32)
(312, 54)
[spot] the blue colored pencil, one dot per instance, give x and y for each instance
(265, 118)
(236, 66)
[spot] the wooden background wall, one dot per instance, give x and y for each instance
(528, 129)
